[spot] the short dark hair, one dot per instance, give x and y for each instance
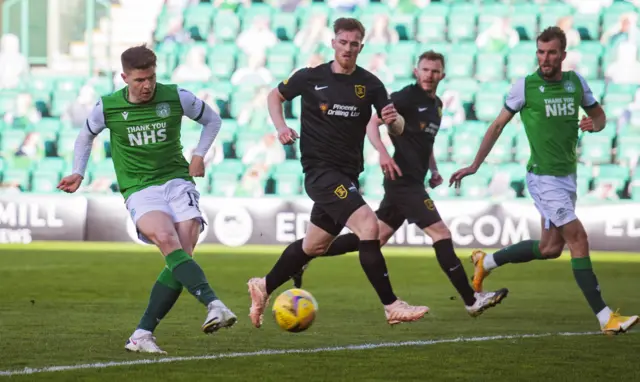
(553, 33)
(348, 24)
(138, 57)
(431, 55)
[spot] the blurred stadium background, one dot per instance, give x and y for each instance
(59, 56)
(71, 298)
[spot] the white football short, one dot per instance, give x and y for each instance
(555, 197)
(177, 198)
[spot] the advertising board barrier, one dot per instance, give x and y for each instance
(235, 222)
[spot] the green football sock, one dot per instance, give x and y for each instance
(188, 273)
(164, 294)
(587, 281)
(521, 252)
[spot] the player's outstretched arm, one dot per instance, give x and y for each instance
(286, 135)
(389, 167)
(82, 149)
(436, 178)
(489, 140)
(199, 111)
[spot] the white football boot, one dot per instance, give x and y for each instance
(142, 341)
(486, 300)
(218, 316)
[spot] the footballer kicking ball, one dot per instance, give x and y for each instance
(295, 310)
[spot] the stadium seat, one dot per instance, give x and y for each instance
(281, 59)
(197, 20)
(595, 149)
(464, 147)
(223, 184)
(20, 176)
(287, 183)
(522, 148)
(226, 25)
(441, 146)
(488, 106)
(462, 22)
(373, 184)
(490, 67)
(203, 184)
(460, 65)
(524, 19)
(612, 174)
(588, 25)
(628, 150)
(222, 60)
(551, 12)
(432, 23)
(404, 24)
(503, 149)
(474, 187)
(402, 63)
(10, 141)
(51, 165)
(45, 181)
(285, 25)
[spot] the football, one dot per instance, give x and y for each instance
(295, 310)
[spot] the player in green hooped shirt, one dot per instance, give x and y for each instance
(548, 102)
(144, 120)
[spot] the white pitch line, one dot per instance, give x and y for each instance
(103, 365)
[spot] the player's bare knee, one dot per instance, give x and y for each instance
(368, 228)
(166, 240)
(438, 231)
(314, 249)
(551, 252)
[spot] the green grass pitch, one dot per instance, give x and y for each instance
(65, 304)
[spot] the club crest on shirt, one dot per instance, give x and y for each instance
(429, 204)
(423, 125)
(440, 112)
(569, 86)
(163, 110)
(324, 107)
(361, 91)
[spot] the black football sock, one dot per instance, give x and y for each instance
(291, 261)
(451, 265)
(343, 244)
(375, 267)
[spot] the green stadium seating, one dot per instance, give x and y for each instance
(588, 25)
(20, 176)
(432, 22)
(464, 147)
(203, 184)
(222, 60)
(490, 66)
(45, 181)
(10, 141)
(462, 22)
(524, 19)
(612, 174)
(226, 25)
(595, 148)
(198, 18)
(628, 149)
(550, 12)
(285, 25)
